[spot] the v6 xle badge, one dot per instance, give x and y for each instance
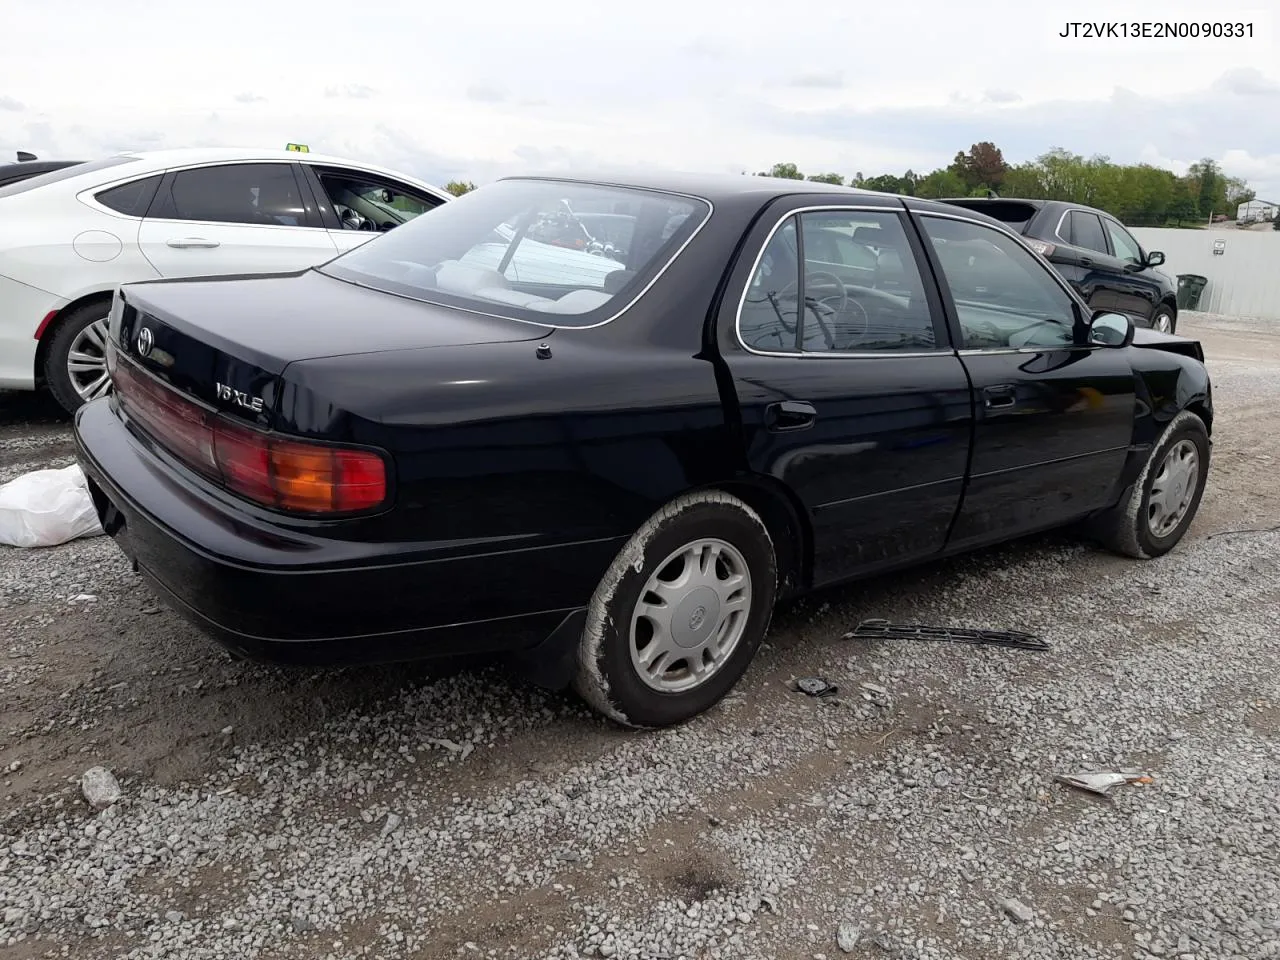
(239, 399)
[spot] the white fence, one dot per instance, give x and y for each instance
(1244, 279)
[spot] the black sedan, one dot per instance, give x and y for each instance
(615, 467)
(1095, 253)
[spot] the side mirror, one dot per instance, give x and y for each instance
(1155, 258)
(1110, 329)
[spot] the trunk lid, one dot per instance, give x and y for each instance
(225, 342)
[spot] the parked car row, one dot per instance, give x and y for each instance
(473, 434)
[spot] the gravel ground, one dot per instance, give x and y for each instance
(432, 813)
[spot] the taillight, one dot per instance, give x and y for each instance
(291, 475)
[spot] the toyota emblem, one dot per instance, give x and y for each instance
(145, 341)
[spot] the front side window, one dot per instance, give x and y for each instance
(1004, 298)
(364, 203)
(260, 194)
(1125, 246)
(545, 251)
(861, 287)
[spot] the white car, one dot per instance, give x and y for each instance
(70, 237)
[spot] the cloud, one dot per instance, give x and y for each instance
(1000, 96)
(1247, 82)
(250, 98)
(486, 93)
(9, 103)
(817, 80)
(350, 91)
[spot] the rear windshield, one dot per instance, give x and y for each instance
(544, 251)
(66, 173)
(1014, 214)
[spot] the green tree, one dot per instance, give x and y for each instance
(785, 171)
(940, 184)
(459, 187)
(833, 178)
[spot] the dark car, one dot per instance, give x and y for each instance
(616, 471)
(1095, 253)
(28, 165)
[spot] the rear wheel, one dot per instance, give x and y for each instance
(679, 615)
(75, 368)
(1163, 320)
(1165, 497)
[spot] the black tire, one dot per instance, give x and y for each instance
(1164, 312)
(606, 678)
(1125, 528)
(56, 375)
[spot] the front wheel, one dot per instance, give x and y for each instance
(1163, 321)
(75, 367)
(679, 615)
(1166, 496)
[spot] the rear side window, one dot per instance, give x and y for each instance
(66, 173)
(263, 194)
(133, 198)
(1086, 231)
(860, 290)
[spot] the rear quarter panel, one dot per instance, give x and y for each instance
(494, 445)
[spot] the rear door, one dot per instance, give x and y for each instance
(356, 206)
(1088, 265)
(1054, 414)
(232, 218)
(856, 402)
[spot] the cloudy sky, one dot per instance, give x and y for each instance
(505, 86)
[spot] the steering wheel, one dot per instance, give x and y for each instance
(823, 311)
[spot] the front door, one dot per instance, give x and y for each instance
(1054, 415)
(848, 390)
(233, 218)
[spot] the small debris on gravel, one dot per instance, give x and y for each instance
(1018, 910)
(100, 787)
(816, 687)
(847, 936)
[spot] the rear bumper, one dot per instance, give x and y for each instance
(22, 308)
(273, 594)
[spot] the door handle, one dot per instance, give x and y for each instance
(184, 242)
(998, 397)
(1086, 261)
(790, 415)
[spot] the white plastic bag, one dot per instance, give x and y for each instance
(47, 507)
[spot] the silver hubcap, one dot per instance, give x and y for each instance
(1162, 323)
(1173, 488)
(87, 361)
(691, 616)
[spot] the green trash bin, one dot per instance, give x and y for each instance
(1190, 286)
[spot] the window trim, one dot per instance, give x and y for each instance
(1081, 308)
(171, 174)
(939, 350)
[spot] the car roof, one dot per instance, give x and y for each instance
(709, 186)
(719, 188)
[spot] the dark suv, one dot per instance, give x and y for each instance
(1094, 253)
